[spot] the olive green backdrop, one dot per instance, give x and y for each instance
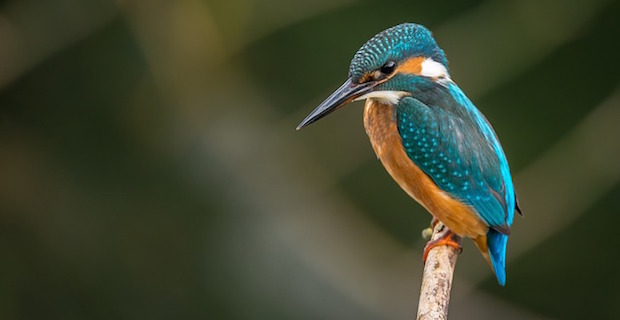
(149, 166)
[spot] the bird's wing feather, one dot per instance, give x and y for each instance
(456, 147)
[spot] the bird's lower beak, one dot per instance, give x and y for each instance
(347, 92)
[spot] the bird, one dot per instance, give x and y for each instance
(431, 138)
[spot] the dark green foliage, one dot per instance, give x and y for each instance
(116, 202)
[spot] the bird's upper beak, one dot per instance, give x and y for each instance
(347, 92)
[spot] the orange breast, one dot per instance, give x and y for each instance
(380, 124)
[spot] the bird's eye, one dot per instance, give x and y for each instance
(388, 67)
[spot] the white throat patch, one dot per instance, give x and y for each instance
(387, 97)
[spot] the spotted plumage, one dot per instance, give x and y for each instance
(430, 137)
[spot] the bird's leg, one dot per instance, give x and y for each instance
(434, 222)
(447, 238)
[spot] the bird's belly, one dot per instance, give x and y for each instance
(380, 124)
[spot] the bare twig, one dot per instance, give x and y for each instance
(437, 279)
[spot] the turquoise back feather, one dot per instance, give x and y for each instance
(450, 140)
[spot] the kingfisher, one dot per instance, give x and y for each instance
(431, 139)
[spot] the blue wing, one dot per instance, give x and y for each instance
(450, 140)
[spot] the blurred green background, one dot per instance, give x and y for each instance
(150, 168)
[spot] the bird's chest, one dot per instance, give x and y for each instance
(381, 126)
(380, 123)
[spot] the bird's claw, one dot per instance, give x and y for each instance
(449, 238)
(427, 233)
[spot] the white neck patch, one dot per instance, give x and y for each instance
(434, 69)
(387, 97)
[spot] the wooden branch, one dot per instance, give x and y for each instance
(437, 278)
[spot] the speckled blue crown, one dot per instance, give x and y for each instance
(395, 43)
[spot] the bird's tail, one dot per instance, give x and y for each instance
(493, 248)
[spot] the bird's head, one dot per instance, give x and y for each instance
(385, 68)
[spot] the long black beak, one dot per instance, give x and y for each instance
(347, 92)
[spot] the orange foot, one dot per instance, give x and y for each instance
(448, 238)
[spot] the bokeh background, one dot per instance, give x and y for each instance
(150, 168)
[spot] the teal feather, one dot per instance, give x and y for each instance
(497, 242)
(451, 141)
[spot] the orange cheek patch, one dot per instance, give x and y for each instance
(366, 77)
(411, 66)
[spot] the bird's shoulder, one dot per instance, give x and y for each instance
(451, 141)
